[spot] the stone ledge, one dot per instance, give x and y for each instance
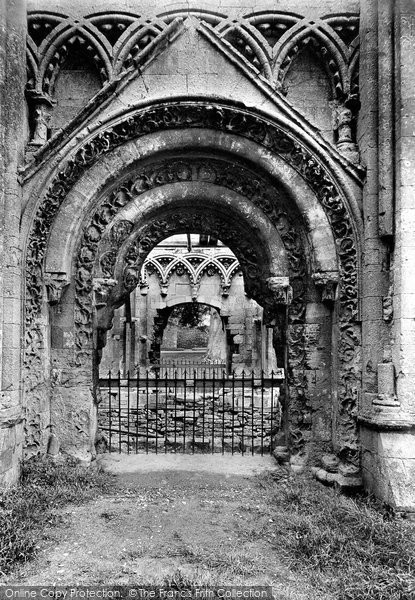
(11, 417)
(387, 424)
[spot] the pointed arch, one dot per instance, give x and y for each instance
(55, 50)
(307, 34)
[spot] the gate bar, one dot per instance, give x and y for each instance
(252, 412)
(243, 413)
(184, 413)
(262, 413)
(137, 404)
(109, 410)
(165, 415)
(213, 412)
(147, 419)
(223, 412)
(194, 410)
(128, 412)
(119, 410)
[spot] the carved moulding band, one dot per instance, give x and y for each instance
(238, 122)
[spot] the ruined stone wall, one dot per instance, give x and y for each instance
(218, 419)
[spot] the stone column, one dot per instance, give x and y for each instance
(12, 129)
(375, 273)
(387, 413)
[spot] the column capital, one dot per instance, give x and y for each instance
(102, 287)
(327, 283)
(280, 289)
(55, 284)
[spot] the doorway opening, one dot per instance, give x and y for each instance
(189, 365)
(189, 309)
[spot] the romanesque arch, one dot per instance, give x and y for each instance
(286, 213)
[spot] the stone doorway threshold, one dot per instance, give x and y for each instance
(209, 463)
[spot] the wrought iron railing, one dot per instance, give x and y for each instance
(187, 412)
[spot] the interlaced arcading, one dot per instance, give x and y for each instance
(268, 42)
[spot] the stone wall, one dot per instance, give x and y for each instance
(12, 130)
(388, 406)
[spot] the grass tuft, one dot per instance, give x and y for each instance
(349, 546)
(26, 509)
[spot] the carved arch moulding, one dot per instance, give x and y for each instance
(261, 131)
(100, 264)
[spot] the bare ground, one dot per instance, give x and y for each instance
(198, 521)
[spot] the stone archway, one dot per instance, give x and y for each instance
(315, 239)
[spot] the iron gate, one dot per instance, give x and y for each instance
(163, 412)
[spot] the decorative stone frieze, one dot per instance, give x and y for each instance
(253, 38)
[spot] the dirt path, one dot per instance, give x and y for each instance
(160, 526)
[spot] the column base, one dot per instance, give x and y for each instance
(388, 461)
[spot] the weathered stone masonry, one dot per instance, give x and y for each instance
(252, 125)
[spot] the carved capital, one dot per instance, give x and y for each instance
(224, 289)
(55, 284)
(144, 288)
(327, 284)
(280, 289)
(102, 287)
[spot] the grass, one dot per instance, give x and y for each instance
(346, 546)
(27, 509)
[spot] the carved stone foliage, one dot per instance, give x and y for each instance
(237, 122)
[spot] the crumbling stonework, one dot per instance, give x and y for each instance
(287, 133)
